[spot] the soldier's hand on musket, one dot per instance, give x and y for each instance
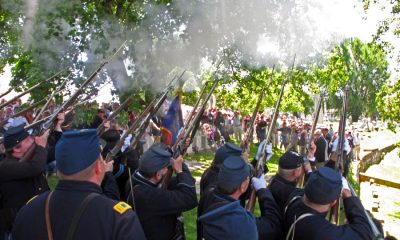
(108, 166)
(345, 188)
(60, 121)
(42, 140)
(177, 164)
(259, 182)
(268, 151)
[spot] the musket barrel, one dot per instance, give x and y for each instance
(180, 147)
(190, 116)
(22, 112)
(124, 105)
(20, 95)
(49, 100)
(249, 133)
(154, 105)
(260, 164)
(29, 90)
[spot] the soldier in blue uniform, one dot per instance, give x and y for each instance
(225, 218)
(209, 178)
(305, 215)
(159, 209)
(77, 208)
(20, 180)
(208, 181)
(291, 168)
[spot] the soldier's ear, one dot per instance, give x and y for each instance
(98, 167)
(244, 185)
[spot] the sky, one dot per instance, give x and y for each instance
(345, 18)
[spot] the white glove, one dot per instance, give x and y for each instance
(345, 184)
(312, 159)
(268, 151)
(127, 142)
(259, 182)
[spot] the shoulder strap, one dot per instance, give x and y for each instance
(47, 216)
(78, 214)
(130, 199)
(292, 227)
(290, 203)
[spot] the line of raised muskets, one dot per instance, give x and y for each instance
(192, 121)
(259, 170)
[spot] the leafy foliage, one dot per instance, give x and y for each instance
(364, 69)
(388, 100)
(80, 34)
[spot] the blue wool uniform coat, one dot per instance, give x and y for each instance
(159, 208)
(99, 220)
(316, 227)
(281, 189)
(19, 182)
(224, 218)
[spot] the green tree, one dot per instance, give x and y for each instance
(364, 68)
(388, 100)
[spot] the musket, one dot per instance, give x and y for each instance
(11, 88)
(22, 112)
(29, 153)
(6, 92)
(190, 116)
(341, 134)
(20, 95)
(153, 107)
(124, 105)
(335, 210)
(245, 144)
(180, 146)
(316, 116)
(29, 90)
(50, 122)
(50, 98)
(261, 161)
(310, 136)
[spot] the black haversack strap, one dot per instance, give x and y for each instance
(78, 214)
